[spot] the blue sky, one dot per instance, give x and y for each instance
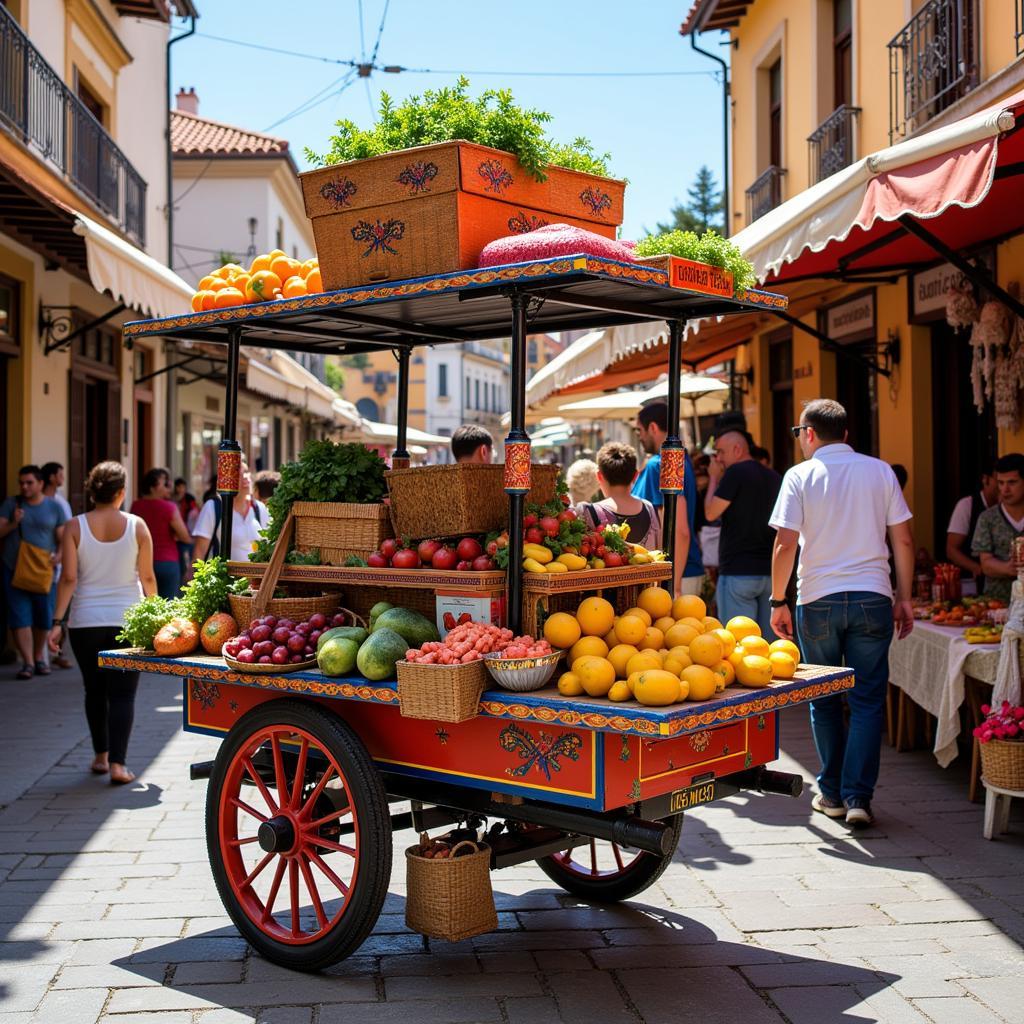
(658, 129)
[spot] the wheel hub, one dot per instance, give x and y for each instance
(276, 835)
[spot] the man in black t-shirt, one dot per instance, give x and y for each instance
(742, 491)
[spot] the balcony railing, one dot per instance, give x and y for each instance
(765, 194)
(39, 109)
(933, 61)
(830, 146)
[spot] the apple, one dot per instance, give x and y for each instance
(260, 633)
(264, 659)
(281, 634)
(304, 628)
(309, 651)
(340, 619)
(534, 535)
(246, 657)
(469, 548)
(550, 525)
(444, 558)
(389, 547)
(314, 636)
(613, 559)
(406, 559)
(318, 620)
(482, 564)
(426, 550)
(269, 620)
(296, 643)
(279, 655)
(377, 561)
(245, 639)
(297, 659)
(286, 622)
(263, 647)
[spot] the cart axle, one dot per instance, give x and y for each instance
(276, 835)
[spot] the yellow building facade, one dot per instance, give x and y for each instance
(816, 85)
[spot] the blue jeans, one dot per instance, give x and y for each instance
(24, 609)
(168, 578)
(855, 629)
(746, 595)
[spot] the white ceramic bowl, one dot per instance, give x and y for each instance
(522, 674)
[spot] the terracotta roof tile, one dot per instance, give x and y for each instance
(192, 135)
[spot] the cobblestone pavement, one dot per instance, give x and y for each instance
(771, 913)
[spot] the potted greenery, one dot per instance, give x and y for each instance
(441, 175)
(706, 262)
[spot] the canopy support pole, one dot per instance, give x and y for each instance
(830, 346)
(673, 455)
(967, 267)
(229, 454)
(517, 461)
(400, 456)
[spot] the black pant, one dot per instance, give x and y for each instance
(109, 694)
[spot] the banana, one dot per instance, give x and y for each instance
(641, 558)
(538, 553)
(532, 565)
(556, 567)
(639, 549)
(572, 562)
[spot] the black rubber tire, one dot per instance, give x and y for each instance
(645, 870)
(375, 843)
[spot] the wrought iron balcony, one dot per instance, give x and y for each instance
(830, 146)
(933, 61)
(38, 108)
(765, 194)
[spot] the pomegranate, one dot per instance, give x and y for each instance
(444, 558)
(296, 643)
(468, 549)
(426, 550)
(389, 547)
(340, 619)
(317, 620)
(377, 561)
(405, 559)
(280, 635)
(264, 659)
(464, 566)
(246, 657)
(534, 535)
(483, 564)
(263, 647)
(549, 524)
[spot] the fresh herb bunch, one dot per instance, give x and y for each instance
(448, 114)
(311, 557)
(710, 248)
(325, 471)
(207, 592)
(144, 619)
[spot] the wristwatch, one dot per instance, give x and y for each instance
(58, 622)
(773, 603)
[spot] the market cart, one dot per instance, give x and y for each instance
(299, 826)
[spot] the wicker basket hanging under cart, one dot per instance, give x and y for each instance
(450, 898)
(1002, 763)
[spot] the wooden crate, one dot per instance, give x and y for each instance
(430, 210)
(693, 276)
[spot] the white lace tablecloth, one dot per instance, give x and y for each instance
(930, 665)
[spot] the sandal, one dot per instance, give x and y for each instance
(42, 669)
(99, 767)
(26, 672)
(121, 776)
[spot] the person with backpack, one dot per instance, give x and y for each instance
(616, 471)
(250, 519)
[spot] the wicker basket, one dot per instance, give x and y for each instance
(452, 500)
(450, 898)
(256, 669)
(243, 607)
(440, 693)
(1002, 763)
(339, 529)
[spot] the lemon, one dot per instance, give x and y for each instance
(783, 664)
(596, 674)
(706, 650)
(619, 656)
(656, 688)
(569, 685)
(588, 645)
(681, 635)
(630, 629)
(741, 626)
(728, 640)
(754, 671)
(755, 645)
(726, 674)
(619, 691)
(701, 681)
(786, 645)
(642, 661)
(688, 606)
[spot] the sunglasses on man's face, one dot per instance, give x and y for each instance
(795, 431)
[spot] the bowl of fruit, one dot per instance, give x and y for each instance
(272, 645)
(525, 664)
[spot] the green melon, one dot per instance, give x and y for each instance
(356, 633)
(338, 656)
(380, 653)
(416, 628)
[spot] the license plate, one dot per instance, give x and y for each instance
(692, 796)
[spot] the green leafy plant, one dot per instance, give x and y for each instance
(207, 592)
(710, 248)
(144, 619)
(325, 471)
(311, 557)
(443, 115)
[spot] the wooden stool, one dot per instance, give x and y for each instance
(997, 809)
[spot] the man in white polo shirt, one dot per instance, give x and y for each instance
(838, 507)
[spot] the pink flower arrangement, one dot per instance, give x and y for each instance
(1003, 723)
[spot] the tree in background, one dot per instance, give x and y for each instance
(704, 209)
(334, 375)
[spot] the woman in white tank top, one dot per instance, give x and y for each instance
(108, 566)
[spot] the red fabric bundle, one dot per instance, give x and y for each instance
(550, 241)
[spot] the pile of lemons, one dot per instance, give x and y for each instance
(663, 651)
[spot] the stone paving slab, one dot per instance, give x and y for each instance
(769, 913)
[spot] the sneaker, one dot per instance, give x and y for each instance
(858, 814)
(827, 806)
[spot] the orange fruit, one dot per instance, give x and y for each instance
(681, 635)
(293, 287)
(200, 299)
(688, 606)
(596, 675)
(710, 623)
(656, 688)
(655, 601)
(596, 616)
(741, 626)
(611, 638)
(700, 682)
(284, 267)
(697, 624)
(665, 623)
(726, 673)
(643, 661)
(755, 645)
(588, 645)
(274, 253)
(619, 656)
(239, 281)
(228, 297)
(569, 685)
(783, 664)
(630, 629)
(640, 614)
(262, 286)
(217, 284)
(653, 640)
(206, 282)
(785, 645)
(260, 263)
(221, 272)
(620, 691)
(728, 640)
(232, 269)
(681, 654)
(675, 665)
(754, 671)
(561, 630)
(314, 283)
(306, 266)
(706, 650)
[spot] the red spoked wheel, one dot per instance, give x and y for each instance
(299, 834)
(607, 872)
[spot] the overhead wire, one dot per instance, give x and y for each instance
(317, 98)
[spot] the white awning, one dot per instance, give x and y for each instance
(707, 394)
(278, 375)
(579, 360)
(130, 275)
(387, 432)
